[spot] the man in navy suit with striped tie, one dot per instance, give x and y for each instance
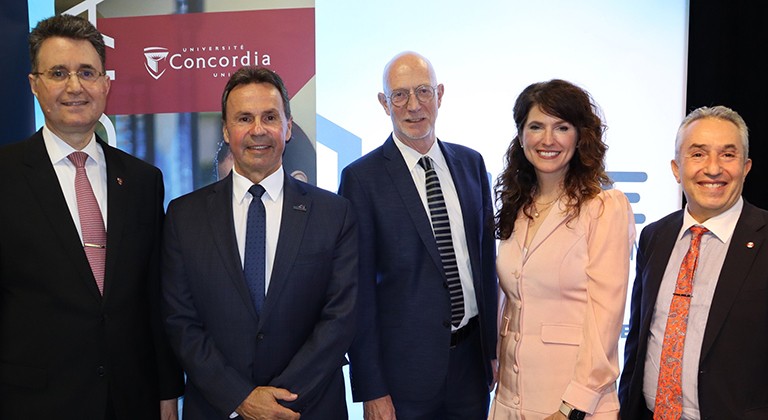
(427, 304)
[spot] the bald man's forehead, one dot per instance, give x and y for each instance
(408, 71)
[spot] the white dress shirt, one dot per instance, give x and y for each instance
(712, 251)
(273, 203)
(95, 167)
(455, 217)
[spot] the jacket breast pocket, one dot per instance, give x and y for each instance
(569, 334)
(317, 258)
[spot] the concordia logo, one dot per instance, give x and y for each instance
(154, 55)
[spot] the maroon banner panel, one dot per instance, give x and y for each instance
(181, 63)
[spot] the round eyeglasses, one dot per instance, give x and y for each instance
(400, 97)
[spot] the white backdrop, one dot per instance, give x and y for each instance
(631, 56)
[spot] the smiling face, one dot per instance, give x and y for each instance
(549, 143)
(414, 122)
(711, 167)
(71, 107)
(256, 129)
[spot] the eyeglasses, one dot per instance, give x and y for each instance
(400, 97)
(61, 75)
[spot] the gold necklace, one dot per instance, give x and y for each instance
(544, 207)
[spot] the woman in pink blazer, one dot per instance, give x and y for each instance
(563, 262)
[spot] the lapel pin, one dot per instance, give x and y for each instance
(119, 181)
(300, 207)
(750, 244)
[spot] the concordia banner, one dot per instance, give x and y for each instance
(181, 62)
(169, 71)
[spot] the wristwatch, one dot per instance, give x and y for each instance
(572, 413)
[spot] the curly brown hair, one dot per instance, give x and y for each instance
(516, 187)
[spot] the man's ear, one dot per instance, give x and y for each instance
(32, 87)
(288, 132)
(676, 170)
(383, 102)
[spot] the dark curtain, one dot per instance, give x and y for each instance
(16, 112)
(727, 59)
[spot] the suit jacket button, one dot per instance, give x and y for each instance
(259, 336)
(100, 370)
(447, 323)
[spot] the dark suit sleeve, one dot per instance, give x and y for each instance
(314, 363)
(631, 344)
(366, 373)
(170, 375)
(490, 283)
(224, 387)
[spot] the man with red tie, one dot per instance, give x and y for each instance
(696, 347)
(80, 329)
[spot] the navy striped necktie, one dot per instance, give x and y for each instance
(442, 229)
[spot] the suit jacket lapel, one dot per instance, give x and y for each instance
(736, 267)
(471, 208)
(297, 206)
(403, 181)
(118, 203)
(45, 185)
(660, 249)
(223, 232)
(552, 221)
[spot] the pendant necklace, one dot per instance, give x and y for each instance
(544, 207)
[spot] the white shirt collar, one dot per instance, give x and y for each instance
(412, 156)
(273, 184)
(722, 225)
(58, 149)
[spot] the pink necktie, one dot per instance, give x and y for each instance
(91, 221)
(669, 392)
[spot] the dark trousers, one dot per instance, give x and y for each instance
(465, 395)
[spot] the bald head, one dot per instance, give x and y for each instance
(405, 64)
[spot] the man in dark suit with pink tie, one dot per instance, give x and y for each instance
(81, 335)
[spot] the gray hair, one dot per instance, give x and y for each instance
(721, 113)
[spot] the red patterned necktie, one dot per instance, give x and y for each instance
(91, 221)
(669, 392)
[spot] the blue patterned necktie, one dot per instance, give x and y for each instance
(254, 267)
(442, 229)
